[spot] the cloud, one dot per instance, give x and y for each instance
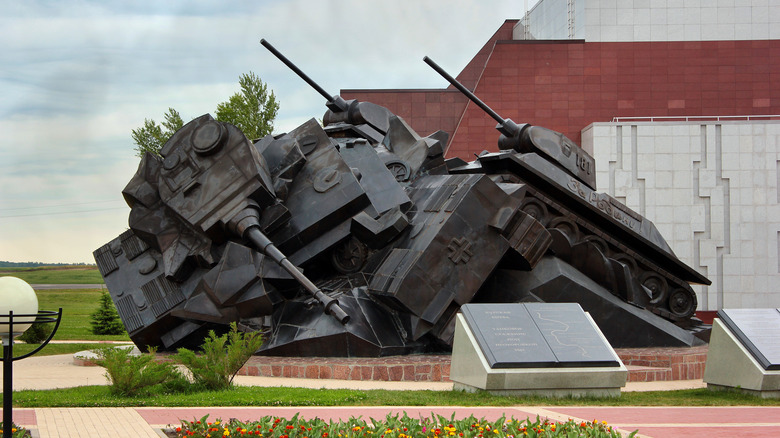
(78, 76)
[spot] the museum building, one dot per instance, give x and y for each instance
(678, 102)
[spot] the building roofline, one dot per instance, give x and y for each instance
(398, 90)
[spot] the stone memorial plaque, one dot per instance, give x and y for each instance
(571, 335)
(507, 336)
(759, 332)
(537, 335)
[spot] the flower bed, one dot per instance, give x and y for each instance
(394, 427)
(16, 431)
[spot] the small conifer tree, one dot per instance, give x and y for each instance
(37, 333)
(105, 320)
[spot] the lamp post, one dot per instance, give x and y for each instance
(18, 311)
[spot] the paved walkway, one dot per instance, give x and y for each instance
(59, 372)
(683, 422)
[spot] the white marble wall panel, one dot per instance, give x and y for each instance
(677, 20)
(711, 188)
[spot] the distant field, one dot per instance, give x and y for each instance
(56, 274)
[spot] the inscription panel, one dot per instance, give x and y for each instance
(537, 335)
(571, 335)
(508, 336)
(758, 330)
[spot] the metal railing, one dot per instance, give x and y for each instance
(694, 118)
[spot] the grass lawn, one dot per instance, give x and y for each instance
(56, 274)
(77, 306)
(100, 396)
(53, 349)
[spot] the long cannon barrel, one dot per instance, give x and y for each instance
(550, 145)
(335, 103)
(505, 126)
(246, 225)
(262, 242)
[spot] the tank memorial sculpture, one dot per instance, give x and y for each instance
(355, 237)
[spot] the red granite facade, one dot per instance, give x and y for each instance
(567, 85)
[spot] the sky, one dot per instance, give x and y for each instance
(77, 76)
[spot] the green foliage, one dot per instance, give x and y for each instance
(151, 137)
(105, 320)
(131, 375)
(253, 110)
(395, 426)
(37, 333)
(221, 359)
(77, 306)
(102, 396)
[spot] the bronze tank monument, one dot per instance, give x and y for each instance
(357, 238)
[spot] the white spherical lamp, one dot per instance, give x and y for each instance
(19, 297)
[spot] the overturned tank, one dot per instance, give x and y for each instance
(357, 238)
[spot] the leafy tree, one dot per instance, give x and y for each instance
(151, 137)
(105, 320)
(252, 110)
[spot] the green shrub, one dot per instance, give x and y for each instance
(37, 332)
(105, 320)
(131, 375)
(221, 359)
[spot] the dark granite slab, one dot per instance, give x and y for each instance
(758, 330)
(571, 335)
(537, 335)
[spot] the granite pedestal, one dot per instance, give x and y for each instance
(471, 368)
(732, 366)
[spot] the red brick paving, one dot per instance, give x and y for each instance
(688, 422)
(655, 422)
(22, 416)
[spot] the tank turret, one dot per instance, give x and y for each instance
(598, 235)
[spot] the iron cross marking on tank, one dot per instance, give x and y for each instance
(460, 250)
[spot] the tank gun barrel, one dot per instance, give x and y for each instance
(331, 306)
(505, 126)
(335, 102)
(246, 224)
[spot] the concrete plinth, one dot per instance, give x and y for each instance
(730, 366)
(470, 372)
